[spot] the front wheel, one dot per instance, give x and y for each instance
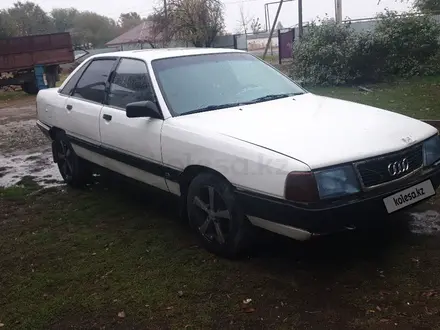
(74, 170)
(215, 216)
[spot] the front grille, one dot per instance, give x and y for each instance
(375, 172)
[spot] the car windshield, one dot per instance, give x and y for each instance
(201, 83)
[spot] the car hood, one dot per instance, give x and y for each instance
(316, 130)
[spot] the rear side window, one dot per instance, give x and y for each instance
(131, 83)
(91, 86)
(71, 83)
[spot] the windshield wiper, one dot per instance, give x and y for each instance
(271, 97)
(236, 104)
(212, 108)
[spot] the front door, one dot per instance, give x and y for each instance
(84, 105)
(132, 144)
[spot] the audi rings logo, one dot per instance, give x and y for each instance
(399, 167)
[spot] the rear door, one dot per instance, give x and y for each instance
(84, 105)
(132, 143)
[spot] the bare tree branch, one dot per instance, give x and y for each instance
(245, 20)
(195, 21)
(256, 26)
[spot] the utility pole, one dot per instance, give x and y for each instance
(267, 17)
(266, 12)
(273, 28)
(300, 18)
(338, 11)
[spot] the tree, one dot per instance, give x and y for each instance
(196, 21)
(427, 5)
(7, 28)
(93, 30)
(127, 21)
(159, 33)
(256, 26)
(87, 29)
(244, 21)
(28, 18)
(64, 19)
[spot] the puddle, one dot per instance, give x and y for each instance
(35, 164)
(425, 223)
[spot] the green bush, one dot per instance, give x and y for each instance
(335, 54)
(323, 55)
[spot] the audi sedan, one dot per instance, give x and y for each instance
(240, 144)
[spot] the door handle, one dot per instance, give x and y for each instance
(69, 107)
(107, 117)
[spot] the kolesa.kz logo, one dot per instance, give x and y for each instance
(408, 197)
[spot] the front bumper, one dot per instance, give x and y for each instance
(363, 210)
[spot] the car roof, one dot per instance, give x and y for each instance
(158, 53)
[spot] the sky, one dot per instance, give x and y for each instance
(312, 9)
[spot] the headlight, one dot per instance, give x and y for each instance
(337, 182)
(431, 150)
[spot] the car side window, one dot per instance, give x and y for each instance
(92, 84)
(71, 83)
(131, 83)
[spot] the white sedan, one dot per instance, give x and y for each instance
(239, 142)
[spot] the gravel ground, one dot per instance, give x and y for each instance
(21, 135)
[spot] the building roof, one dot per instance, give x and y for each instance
(141, 33)
(158, 53)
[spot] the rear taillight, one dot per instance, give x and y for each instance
(301, 187)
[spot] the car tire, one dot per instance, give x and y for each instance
(214, 215)
(76, 172)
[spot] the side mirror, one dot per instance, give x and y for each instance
(143, 109)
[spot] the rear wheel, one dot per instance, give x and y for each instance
(75, 171)
(215, 216)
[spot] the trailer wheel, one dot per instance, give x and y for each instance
(30, 87)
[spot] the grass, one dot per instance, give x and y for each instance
(6, 96)
(78, 258)
(62, 78)
(416, 97)
(270, 58)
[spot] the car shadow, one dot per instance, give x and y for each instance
(366, 243)
(276, 252)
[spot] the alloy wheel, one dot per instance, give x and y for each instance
(65, 160)
(213, 217)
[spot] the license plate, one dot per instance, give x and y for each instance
(409, 196)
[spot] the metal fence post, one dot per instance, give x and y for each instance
(279, 47)
(293, 41)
